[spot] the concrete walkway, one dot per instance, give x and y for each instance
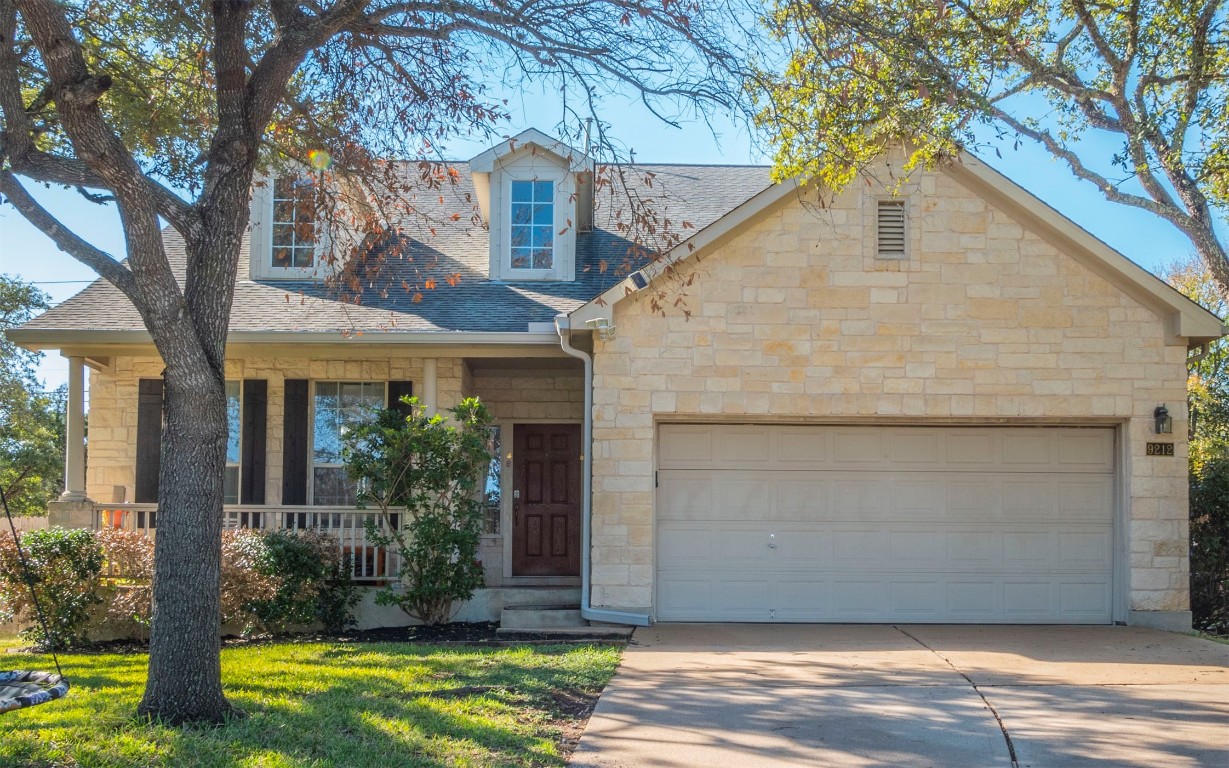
(755, 696)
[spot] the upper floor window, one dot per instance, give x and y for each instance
(532, 219)
(294, 223)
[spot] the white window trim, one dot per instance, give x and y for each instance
(311, 428)
(561, 200)
(261, 255)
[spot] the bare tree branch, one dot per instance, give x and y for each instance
(99, 261)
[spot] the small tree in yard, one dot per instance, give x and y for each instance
(431, 467)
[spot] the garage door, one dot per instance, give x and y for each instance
(879, 524)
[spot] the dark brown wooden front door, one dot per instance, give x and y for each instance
(546, 500)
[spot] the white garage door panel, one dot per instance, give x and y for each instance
(794, 523)
(936, 598)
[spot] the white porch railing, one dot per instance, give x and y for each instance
(24, 524)
(347, 525)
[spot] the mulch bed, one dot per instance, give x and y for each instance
(481, 634)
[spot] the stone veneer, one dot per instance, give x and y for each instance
(530, 396)
(796, 319)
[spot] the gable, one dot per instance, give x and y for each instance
(963, 213)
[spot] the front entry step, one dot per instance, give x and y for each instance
(552, 620)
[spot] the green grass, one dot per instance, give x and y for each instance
(320, 704)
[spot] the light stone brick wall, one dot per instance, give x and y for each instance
(530, 395)
(796, 319)
(111, 472)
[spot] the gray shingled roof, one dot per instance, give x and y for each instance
(696, 194)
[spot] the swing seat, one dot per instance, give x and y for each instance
(20, 689)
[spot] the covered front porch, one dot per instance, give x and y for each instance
(284, 477)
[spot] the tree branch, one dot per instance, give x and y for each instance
(99, 261)
(27, 160)
(1170, 212)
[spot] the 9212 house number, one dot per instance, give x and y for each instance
(1160, 449)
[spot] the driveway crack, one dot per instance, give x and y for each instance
(1011, 748)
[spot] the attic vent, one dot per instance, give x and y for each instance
(891, 244)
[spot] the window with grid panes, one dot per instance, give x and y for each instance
(533, 224)
(337, 407)
(294, 223)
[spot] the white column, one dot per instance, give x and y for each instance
(429, 401)
(74, 444)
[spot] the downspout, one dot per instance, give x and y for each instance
(563, 324)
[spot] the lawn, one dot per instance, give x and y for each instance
(324, 704)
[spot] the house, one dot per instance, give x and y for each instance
(936, 404)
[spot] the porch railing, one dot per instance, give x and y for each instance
(369, 563)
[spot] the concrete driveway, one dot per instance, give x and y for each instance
(753, 696)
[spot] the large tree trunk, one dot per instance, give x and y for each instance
(184, 655)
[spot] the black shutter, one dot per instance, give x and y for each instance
(294, 443)
(396, 389)
(252, 466)
(149, 439)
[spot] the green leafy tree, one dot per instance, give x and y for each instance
(171, 110)
(426, 473)
(1208, 401)
(1151, 77)
(31, 420)
(1208, 380)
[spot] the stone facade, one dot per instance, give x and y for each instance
(796, 319)
(530, 396)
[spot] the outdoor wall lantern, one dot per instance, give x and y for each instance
(1164, 422)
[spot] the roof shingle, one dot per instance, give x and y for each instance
(698, 195)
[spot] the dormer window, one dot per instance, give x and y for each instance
(536, 194)
(532, 218)
(289, 239)
(294, 223)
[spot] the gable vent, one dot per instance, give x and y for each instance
(891, 230)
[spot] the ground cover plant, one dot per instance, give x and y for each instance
(326, 704)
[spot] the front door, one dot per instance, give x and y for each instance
(546, 500)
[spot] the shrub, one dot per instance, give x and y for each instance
(64, 566)
(128, 580)
(431, 466)
(313, 582)
(1210, 546)
(243, 581)
(270, 582)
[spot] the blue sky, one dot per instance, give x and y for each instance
(1145, 239)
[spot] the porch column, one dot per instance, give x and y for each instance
(429, 401)
(74, 444)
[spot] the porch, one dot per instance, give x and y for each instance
(277, 448)
(371, 566)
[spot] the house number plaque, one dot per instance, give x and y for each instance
(1160, 449)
